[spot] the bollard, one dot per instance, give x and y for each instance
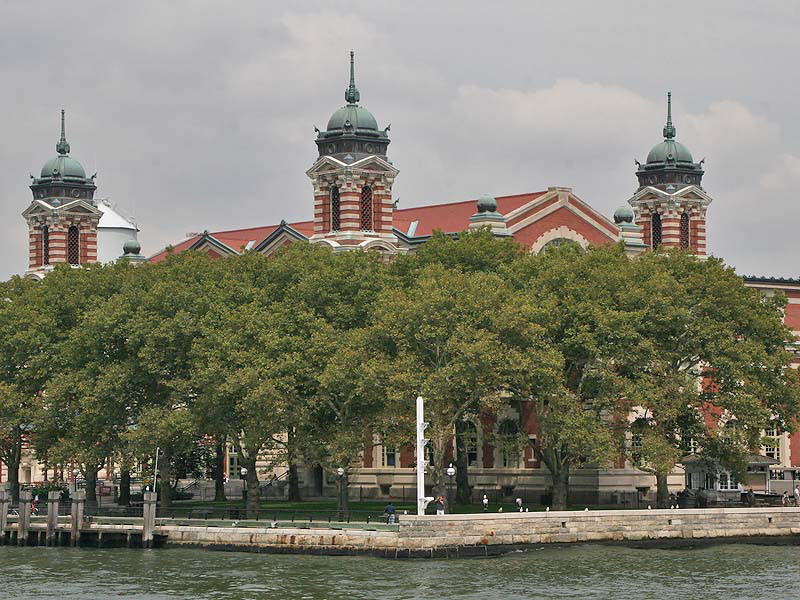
(52, 517)
(149, 521)
(4, 503)
(24, 519)
(78, 503)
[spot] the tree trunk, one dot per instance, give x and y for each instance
(13, 480)
(91, 485)
(124, 487)
(560, 488)
(219, 471)
(342, 497)
(165, 475)
(251, 482)
(435, 472)
(463, 493)
(291, 459)
(662, 493)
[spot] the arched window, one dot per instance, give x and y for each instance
(508, 443)
(655, 235)
(45, 245)
(685, 231)
(559, 242)
(366, 208)
(73, 246)
(336, 219)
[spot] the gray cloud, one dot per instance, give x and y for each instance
(199, 115)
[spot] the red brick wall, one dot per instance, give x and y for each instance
(559, 218)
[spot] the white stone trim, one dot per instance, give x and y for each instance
(556, 233)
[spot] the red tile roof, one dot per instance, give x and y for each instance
(450, 218)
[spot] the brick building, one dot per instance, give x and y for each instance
(352, 207)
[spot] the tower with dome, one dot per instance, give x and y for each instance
(66, 224)
(670, 202)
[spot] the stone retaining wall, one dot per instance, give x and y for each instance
(519, 529)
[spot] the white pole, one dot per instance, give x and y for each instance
(421, 442)
(155, 471)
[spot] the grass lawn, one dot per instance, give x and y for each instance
(373, 506)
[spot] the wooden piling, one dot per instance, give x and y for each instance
(149, 521)
(5, 502)
(24, 520)
(78, 503)
(52, 517)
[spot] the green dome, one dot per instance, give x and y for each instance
(669, 151)
(487, 204)
(624, 214)
(352, 118)
(131, 247)
(63, 167)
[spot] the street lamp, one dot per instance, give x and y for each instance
(450, 472)
(340, 503)
(243, 475)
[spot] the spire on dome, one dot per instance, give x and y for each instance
(62, 147)
(669, 129)
(351, 93)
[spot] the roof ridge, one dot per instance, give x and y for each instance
(471, 201)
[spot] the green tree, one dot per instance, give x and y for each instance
(584, 301)
(717, 356)
(446, 340)
(469, 251)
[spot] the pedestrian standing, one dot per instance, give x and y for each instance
(785, 498)
(519, 504)
(485, 503)
(440, 505)
(390, 512)
(797, 495)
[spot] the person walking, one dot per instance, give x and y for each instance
(785, 498)
(485, 503)
(797, 495)
(519, 504)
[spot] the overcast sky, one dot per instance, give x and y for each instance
(200, 115)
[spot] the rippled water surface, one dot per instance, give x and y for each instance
(582, 571)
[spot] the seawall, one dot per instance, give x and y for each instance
(496, 533)
(483, 534)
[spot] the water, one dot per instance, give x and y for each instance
(580, 571)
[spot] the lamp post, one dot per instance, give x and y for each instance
(243, 475)
(75, 479)
(339, 502)
(450, 472)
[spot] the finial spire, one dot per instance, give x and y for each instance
(62, 147)
(669, 129)
(351, 93)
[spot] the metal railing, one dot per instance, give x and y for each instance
(296, 516)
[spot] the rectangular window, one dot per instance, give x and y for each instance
(388, 457)
(727, 481)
